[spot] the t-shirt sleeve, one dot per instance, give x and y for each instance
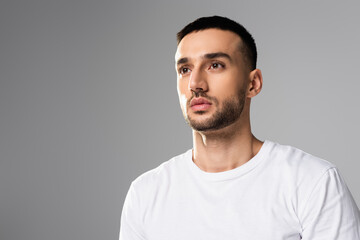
(130, 226)
(330, 212)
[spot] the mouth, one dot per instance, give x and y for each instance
(199, 104)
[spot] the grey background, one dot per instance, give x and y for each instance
(88, 100)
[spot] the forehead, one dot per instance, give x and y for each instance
(196, 44)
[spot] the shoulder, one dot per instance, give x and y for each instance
(302, 173)
(296, 169)
(298, 162)
(161, 174)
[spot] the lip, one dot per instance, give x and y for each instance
(198, 101)
(199, 104)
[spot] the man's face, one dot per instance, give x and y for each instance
(211, 78)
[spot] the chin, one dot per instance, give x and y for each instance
(204, 125)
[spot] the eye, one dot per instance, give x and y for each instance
(184, 70)
(216, 65)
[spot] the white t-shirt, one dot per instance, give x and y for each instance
(281, 193)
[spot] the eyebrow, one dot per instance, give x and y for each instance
(182, 60)
(206, 56)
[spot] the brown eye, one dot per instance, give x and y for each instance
(215, 66)
(184, 70)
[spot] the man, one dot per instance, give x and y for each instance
(232, 185)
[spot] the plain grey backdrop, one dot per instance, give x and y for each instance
(88, 100)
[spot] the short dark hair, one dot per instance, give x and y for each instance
(248, 48)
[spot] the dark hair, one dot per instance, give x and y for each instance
(248, 47)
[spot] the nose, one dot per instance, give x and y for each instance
(198, 81)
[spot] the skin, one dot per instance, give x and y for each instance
(218, 78)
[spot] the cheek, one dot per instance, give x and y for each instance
(226, 85)
(182, 87)
(182, 93)
(183, 101)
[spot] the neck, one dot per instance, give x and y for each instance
(225, 149)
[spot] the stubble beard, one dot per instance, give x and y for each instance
(225, 115)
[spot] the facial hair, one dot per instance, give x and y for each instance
(225, 115)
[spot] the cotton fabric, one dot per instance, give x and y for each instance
(281, 193)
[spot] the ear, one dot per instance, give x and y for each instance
(255, 84)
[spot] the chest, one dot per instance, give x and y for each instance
(228, 211)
